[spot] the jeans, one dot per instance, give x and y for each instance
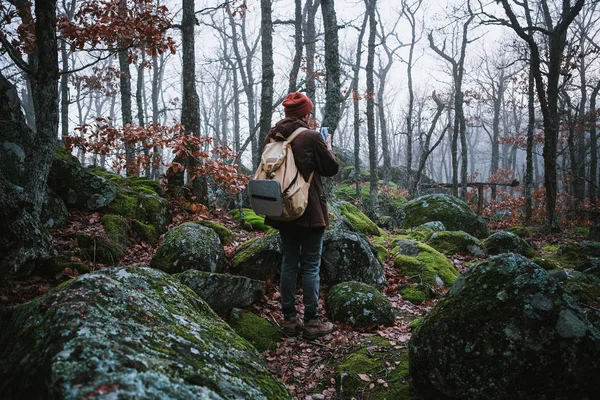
(302, 248)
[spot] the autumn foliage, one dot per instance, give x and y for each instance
(154, 140)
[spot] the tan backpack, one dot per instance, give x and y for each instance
(279, 190)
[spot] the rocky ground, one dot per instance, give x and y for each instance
(309, 369)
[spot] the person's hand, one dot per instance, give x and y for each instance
(328, 143)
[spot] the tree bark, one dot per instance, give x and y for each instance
(125, 88)
(333, 90)
(298, 46)
(373, 191)
(529, 162)
(266, 97)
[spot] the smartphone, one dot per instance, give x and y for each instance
(324, 132)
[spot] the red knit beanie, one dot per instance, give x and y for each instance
(297, 105)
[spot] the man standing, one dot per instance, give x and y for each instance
(302, 238)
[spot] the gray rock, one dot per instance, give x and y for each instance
(259, 258)
(54, 211)
(436, 226)
(130, 333)
(507, 242)
(452, 242)
(506, 330)
(359, 305)
(223, 292)
(455, 214)
(190, 246)
(348, 256)
(77, 186)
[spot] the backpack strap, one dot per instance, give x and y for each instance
(295, 134)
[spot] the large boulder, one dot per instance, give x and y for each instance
(190, 246)
(76, 185)
(452, 242)
(348, 256)
(506, 330)
(138, 199)
(127, 333)
(455, 214)
(359, 305)
(223, 292)
(259, 258)
(507, 242)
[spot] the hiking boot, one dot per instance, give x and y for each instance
(291, 325)
(314, 328)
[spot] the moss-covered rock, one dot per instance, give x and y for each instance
(54, 211)
(348, 256)
(356, 221)
(574, 255)
(506, 242)
(359, 305)
(414, 293)
(145, 207)
(583, 287)
(225, 234)
(99, 249)
(223, 292)
(251, 220)
(76, 185)
(435, 226)
(381, 245)
(423, 264)
(255, 329)
(455, 214)
(389, 198)
(452, 242)
(190, 246)
(377, 362)
(145, 232)
(522, 231)
(117, 230)
(57, 266)
(506, 330)
(547, 263)
(130, 333)
(259, 258)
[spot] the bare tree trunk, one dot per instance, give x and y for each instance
(593, 187)
(371, 4)
(125, 87)
(310, 35)
(356, 105)
(530, 133)
(333, 90)
(266, 98)
(298, 46)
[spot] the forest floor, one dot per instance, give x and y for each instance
(306, 367)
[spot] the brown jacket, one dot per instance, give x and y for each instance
(310, 154)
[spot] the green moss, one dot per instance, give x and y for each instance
(98, 249)
(145, 232)
(109, 176)
(414, 323)
(581, 230)
(251, 220)
(376, 359)
(421, 233)
(381, 247)
(522, 231)
(452, 242)
(225, 234)
(424, 267)
(125, 204)
(413, 293)
(357, 220)
(546, 263)
(256, 330)
(550, 247)
(57, 266)
(117, 230)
